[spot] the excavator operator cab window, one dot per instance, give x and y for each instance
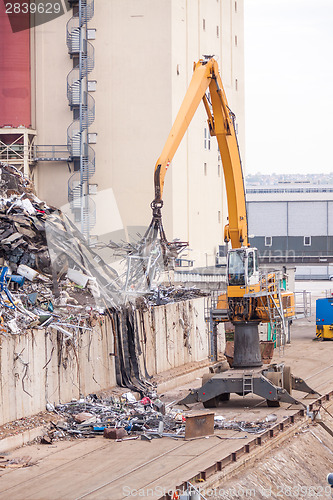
(256, 263)
(236, 267)
(250, 264)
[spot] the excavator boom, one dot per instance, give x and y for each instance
(220, 121)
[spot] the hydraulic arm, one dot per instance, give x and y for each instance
(221, 124)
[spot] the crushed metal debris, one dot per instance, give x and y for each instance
(129, 417)
(167, 294)
(43, 253)
(256, 427)
(118, 418)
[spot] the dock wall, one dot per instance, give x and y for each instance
(46, 365)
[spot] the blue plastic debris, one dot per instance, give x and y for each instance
(3, 288)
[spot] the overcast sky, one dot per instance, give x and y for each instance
(289, 86)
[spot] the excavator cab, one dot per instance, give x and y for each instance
(243, 283)
(242, 270)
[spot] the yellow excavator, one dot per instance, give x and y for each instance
(249, 298)
(243, 300)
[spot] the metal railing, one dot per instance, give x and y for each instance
(185, 276)
(88, 163)
(51, 153)
(74, 138)
(302, 304)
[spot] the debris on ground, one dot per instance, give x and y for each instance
(25, 423)
(129, 416)
(255, 427)
(16, 463)
(118, 418)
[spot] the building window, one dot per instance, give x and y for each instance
(236, 6)
(307, 241)
(91, 34)
(236, 40)
(219, 216)
(205, 168)
(204, 24)
(178, 69)
(236, 84)
(218, 31)
(268, 241)
(219, 170)
(206, 139)
(92, 85)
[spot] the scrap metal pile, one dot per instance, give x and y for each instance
(119, 418)
(36, 235)
(39, 248)
(22, 220)
(127, 417)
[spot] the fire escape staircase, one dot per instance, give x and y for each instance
(83, 106)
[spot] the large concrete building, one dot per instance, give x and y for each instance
(106, 81)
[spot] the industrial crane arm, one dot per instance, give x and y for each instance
(220, 121)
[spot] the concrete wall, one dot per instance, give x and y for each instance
(41, 366)
(176, 334)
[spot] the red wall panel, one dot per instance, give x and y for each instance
(15, 82)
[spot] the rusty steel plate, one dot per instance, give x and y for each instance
(199, 425)
(266, 351)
